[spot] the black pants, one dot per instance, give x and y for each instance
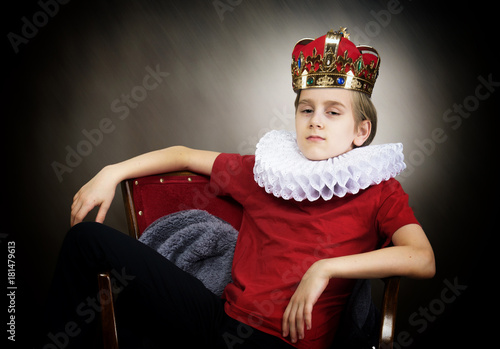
(157, 304)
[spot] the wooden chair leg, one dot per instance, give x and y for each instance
(109, 333)
(389, 308)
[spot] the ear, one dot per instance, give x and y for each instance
(364, 130)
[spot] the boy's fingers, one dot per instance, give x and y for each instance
(308, 316)
(101, 215)
(300, 322)
(284, 324)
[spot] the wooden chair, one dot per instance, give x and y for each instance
(149, 198)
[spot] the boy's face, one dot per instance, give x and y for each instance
(325, 125)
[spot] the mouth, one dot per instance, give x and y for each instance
(315, 138)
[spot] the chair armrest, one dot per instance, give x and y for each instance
(389, 308)
(109, 333)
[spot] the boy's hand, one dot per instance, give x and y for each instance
(99, 191)
(299, 310)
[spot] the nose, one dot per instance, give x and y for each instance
(316, 121)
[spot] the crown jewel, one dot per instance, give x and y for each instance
(332, 60)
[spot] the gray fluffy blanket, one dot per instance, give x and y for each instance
(198, 243)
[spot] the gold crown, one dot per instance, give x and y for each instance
(341, 64)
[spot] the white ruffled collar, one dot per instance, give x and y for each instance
(282, 170)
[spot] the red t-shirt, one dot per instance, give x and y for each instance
(280, 239)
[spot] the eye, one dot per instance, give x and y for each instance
(307, 111)
(332, 113)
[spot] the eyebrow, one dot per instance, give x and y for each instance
(329, 103)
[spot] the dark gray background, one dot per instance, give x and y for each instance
(229, 82)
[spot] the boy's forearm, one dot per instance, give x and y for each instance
(159, 161)
(176, 158)
(390, 261)
(410, 256)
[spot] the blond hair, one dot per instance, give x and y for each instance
(363, 109)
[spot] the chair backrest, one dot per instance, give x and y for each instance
(152, 197)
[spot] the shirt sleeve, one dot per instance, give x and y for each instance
(232, 175)
(394, 212)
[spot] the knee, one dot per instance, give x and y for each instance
(85, 234)
(83, 230)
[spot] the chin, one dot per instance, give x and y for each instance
(319, 154)
(316, 156)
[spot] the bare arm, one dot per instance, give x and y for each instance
(410, 256)
(100, 190)
(176, 158)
